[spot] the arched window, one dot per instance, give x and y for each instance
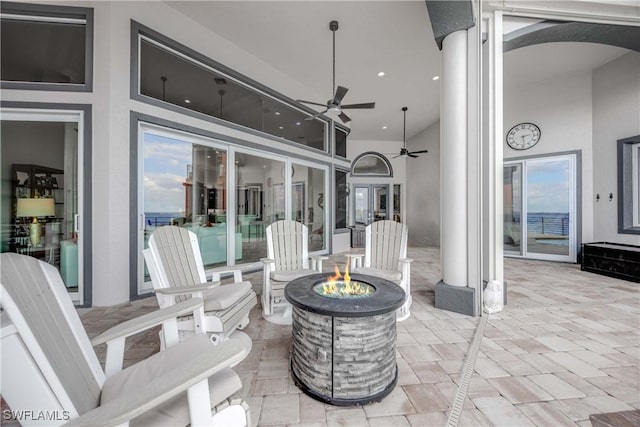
(371, 164)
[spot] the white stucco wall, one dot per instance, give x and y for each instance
(616, 115)
(562, 109)
(423, 188)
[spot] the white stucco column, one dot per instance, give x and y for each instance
(453, 159)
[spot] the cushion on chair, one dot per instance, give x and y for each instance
(392, 275)
(175, 412)
(289, 275)
(224, 296)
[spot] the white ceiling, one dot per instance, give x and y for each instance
(390, 36)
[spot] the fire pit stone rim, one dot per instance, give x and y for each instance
(387, 297)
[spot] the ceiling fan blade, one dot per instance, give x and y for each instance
(311, 102)
(363, 105)
(340, 93)
(316, 115)
(412, 155)
(344, 118)
(420, 151)
(396, 156)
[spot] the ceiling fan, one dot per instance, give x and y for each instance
(403, 150)
(334, 105)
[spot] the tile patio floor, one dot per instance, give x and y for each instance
(566, 346)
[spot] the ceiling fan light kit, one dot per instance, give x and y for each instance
(334, 105)
(403, 150)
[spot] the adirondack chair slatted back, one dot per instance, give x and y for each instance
(177, 261)
(287, 244)
(386, 244)
(30, 299)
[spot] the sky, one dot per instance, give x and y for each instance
(165, 169)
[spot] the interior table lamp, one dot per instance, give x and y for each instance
(35, 208)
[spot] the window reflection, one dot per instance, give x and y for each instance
(185, 185)
(259, 202)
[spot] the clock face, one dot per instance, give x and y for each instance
(523, 136)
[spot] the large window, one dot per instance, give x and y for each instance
(224, 193)
(629, 185)
(169, 75)
(340, 138)
(46, 47)
(342, 198)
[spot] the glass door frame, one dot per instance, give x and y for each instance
(371, 203)
(574, 220)
(327, 200)
(81, 116)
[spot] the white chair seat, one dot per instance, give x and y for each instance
(174, 261)
(392, 275)
(289, 275)
(224, 296)
(174, 412)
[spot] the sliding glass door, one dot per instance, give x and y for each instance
(226, 195)
(542, 190)
(42, 186)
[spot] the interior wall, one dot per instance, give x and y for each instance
(423, 189)
(616, 115)
(562, 109)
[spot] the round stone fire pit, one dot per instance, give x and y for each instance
(344, 346)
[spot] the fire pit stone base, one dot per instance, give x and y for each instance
(343, 350)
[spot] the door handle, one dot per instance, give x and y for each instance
(76, 223)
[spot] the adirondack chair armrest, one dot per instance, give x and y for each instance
(146, 321)
(356, 260)
(166, 386)
(181, 290)
(215, 273)
(406, 260)
(267, 260)
(316, 262)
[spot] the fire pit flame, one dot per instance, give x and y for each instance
(339, 286)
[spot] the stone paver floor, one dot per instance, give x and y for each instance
(567, 345)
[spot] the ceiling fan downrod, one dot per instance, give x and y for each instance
(333, 26)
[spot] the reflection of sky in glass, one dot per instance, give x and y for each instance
(548, 186)
(165, 169)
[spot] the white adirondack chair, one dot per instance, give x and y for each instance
(386, 256)
(177, 273)
(50, 373)
(287, 259)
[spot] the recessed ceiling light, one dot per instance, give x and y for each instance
(435, 78)
(277, 113)
(298, 123)
(381, 73)
(188, 101)
(384, 127)
(280, 127)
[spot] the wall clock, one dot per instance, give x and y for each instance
(523, 136)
